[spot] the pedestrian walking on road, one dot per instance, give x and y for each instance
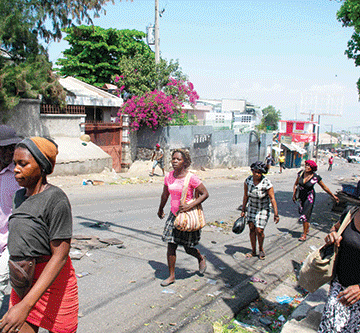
(342, 309)
(304, 186)
(269, 161)
(158, 158)
(282, 161)
(258, 193)
(8, 187)
(173, 185)
(40, 231)
(331, 161)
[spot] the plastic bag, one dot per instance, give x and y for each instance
(239, 225)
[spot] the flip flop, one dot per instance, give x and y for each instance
(302, 238)
(256, 279)
(250, 255)
(261, 255)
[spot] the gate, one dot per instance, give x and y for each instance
(200, 153)
(254, 147)
(109, 137)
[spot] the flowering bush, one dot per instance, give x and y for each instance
(158, 108)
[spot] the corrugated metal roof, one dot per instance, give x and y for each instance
(88, 95)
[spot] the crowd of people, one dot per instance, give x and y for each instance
(36, 231)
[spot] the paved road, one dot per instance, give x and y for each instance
(122, 292)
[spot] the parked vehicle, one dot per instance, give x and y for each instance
(353, 158)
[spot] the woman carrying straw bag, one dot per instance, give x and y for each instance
(173, 185)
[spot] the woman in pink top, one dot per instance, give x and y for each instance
(173, 186)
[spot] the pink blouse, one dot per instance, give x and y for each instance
(175, 186)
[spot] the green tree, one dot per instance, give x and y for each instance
(25, 70)
(349, 16)
(270, 119)
(98, 56)
(95, 53)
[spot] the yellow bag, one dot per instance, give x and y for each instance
(193, 219)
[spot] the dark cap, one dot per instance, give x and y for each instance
(8, 136)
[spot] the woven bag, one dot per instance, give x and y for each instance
(319, 267)
(193, 219)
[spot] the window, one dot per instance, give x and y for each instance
(246, 119)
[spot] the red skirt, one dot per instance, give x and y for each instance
(57, 310)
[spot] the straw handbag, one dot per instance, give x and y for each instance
(193, 219)
(319, 267)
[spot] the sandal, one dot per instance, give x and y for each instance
(302, 238)
(261, 255)
(250, 255)
(202, 265)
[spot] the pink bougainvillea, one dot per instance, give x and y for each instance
(158, 108)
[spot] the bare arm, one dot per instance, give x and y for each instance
(294, 188)
(327, 190)
(164, 198)
(245, 199)
(16, 316)
(271, 194)
(203, 195)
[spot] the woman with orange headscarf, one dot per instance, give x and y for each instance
(40, 230)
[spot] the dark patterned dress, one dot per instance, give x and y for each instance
(307, 196)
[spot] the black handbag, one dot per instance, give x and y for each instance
(239, 225)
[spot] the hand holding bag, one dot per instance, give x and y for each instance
(318, 268)
(239, 225)
(22, 275)
(193, 219)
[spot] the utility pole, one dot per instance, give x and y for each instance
(157, 51)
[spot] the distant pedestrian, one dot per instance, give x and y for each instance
(8, 187)
(158, 158)
(282, 161)
(269, 161)
(305, 181)
(40, 231)
(331, 161)
(173, 185)
(258, 193)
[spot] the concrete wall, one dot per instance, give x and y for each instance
(27, 121)
(208, 148)
(75, 156)
(69, 125)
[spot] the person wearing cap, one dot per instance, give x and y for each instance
(8, 187)
(304, 185)
(158, 156)
(40, 230)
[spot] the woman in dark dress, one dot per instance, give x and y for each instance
(342, 309)
(306, 181)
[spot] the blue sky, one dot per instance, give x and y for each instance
(289, 54)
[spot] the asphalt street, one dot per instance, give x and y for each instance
(120, 288)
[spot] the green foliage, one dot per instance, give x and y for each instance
(29, 79)
(98, 56)
(95, 53)
(270, 119)
(349, 16)
(25, 71)
(183, 119)
(140, 75)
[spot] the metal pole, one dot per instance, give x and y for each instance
(157, 51)
(317, 139)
